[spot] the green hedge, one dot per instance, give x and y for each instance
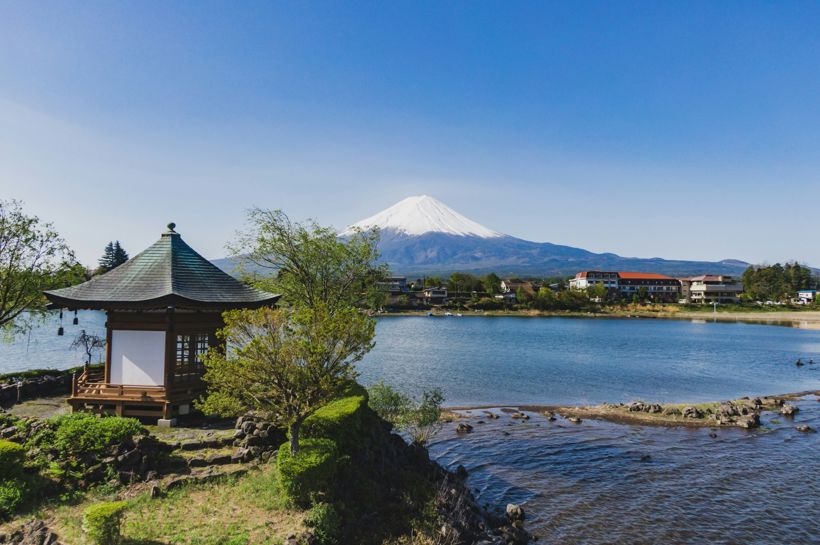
(310, 472)
(12, 456)
(84, 433)
(12, 493)
(101, 522)
(343, 420)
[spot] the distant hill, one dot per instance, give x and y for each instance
(423, 236)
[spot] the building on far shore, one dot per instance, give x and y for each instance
(659, 287)
(511, 287)
(711, 288)
(806, 297)
(394, 285)
(434, 296)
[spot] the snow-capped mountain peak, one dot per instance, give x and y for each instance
(420, 215)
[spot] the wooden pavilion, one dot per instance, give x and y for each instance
(163, 309)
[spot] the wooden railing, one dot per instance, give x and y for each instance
(90, 384)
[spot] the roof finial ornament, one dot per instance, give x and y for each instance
(171, 227)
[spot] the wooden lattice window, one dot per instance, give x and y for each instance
(190, 350)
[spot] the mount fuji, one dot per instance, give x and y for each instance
(421, 235)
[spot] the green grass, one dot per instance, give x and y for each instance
(247, 510)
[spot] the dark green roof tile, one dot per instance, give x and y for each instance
(168, 273)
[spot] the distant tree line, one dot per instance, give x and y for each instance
(113, 256)
(777, 282)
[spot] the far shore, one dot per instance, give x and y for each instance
(809, 319)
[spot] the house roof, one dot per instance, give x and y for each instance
(643, 276)
(167, 273)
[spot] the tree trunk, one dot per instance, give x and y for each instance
(294, 438)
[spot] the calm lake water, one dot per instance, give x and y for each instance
(597, 482)
(485, 361)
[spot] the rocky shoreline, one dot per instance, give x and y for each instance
(742, 413)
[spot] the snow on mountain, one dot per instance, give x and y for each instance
(421, 215)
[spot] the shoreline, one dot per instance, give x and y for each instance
(805, 319)
(733, 413)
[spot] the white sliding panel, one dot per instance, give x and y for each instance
(137, 357)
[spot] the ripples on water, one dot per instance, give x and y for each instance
(587, 483)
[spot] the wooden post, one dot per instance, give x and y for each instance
(108, 336)
(170, 347)
(73, 384)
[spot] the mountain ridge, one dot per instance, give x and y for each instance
(412, 245)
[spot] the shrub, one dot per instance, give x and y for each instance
(101, 522)
(85, 433)
(418, 417)
(342, 421)
(310, 472)
(12, 456)
(12, 494)
(325, 522)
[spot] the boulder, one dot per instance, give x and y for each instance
(515, 512)
(805, 428)
(692, 412)
(464, 428)
(748, 421)
(788, 410)
(574, 419)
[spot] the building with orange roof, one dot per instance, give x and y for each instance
(628, 284)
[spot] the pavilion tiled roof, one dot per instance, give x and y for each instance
(167, 273)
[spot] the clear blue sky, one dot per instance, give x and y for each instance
(673, 129)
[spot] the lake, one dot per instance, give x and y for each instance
(597, 482)
(486, 361)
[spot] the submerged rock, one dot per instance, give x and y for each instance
(749, 421)
(805, 428)
(574, 419)
(788, 410)
(464, 428)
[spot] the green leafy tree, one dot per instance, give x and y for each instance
(290, 362)
(307, 263)
(286, 363)
(597, 292)
(492, 284)
(33, 258)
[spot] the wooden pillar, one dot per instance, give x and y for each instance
(170, 347)
(108, 336)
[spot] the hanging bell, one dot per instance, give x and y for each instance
(76, 320)
(60, 331)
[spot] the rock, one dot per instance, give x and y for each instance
(574, 419)
(646, 458)
(464, 428)
(692, 412)
(788, 410)
(515, 512)
(654, 408)
(805, 428)
(636, 406)
(461, 472)
(156, 492)
(748, 421)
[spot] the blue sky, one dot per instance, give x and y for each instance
(683, 130)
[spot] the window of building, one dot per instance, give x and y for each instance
(190, 351)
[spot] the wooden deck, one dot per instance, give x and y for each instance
(90, 392)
